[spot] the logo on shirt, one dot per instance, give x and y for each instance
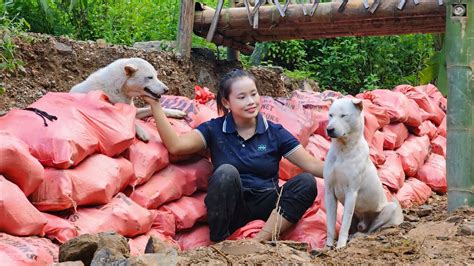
(262, 147)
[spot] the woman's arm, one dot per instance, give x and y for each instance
(308, 163)
(187, 143)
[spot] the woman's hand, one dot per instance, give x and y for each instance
(151, 101)
(307, 162)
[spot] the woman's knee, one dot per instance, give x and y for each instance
(304, 183)
(225, 175)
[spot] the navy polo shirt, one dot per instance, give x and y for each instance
(257, 158)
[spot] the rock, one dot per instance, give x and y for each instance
(155, 45)
(454, 219)
(411, 218)
(80, 248)
(69, 263)
(62, 48)
(433, 229)
(205, 78)
(424, 210)
(467, 228)
(156, 245)
(309, 85)
(101, 43)
(87, 247)
(154, 259)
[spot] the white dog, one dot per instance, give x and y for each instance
(351, 178)
(124, 79)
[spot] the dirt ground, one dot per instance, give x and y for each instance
(58, 63)
(429, 234)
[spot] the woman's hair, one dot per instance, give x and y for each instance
(226, 83)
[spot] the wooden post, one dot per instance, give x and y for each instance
(460, 117)
(232, 55)
(185, 28)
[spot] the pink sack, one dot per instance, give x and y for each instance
(378, 112)
(250, 230)
(398, 106)
(413, 153)
(435, 95)
(442, 129)
(413, 193)
(18, 216)
(318, 146)
(395, 134)
(438, 145)
(121, 215)
(83, 185)
(147, 158)
(59, 229)
(433, 173)
(187, 210)
(391, 172)
(172, 183)
(436, 114)
(376, 148)
(198, 236)
(26, 251)
(18, 165)
(164, 222)
(196, 113)
(138, 243)
(97, 126)
(426, 128)
(288, 170)
(294, 120)
(371, 125)
(311, 229)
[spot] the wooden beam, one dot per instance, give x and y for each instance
(327, 22)
(185, 28)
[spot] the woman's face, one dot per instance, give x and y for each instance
(244, 100)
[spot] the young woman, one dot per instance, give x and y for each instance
(245, 150)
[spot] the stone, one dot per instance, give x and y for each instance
(411, 218)
(467, 228)
(108, 246)
(454, 219)
(62, 48)
(424, 210)
(69, 263)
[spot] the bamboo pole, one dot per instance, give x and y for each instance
(460, 121)
(185, 28)
(327, 22)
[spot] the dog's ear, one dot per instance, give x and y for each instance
(331, 99)
(358, 103)
(130, 69)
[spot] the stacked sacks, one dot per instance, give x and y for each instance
(138, 193)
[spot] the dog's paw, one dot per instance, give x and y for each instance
(174, 113)
(341, 245)
(142, 135)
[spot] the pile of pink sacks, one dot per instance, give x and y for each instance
(71, 165)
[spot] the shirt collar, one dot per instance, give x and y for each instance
(229, 126)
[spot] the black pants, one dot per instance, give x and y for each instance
(230, 206)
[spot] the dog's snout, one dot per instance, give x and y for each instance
(166, 89)
(330, 131)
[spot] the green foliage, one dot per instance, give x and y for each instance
(8, 29)
(354, 64)
(344, 64)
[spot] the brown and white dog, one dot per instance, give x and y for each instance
(124, 79)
